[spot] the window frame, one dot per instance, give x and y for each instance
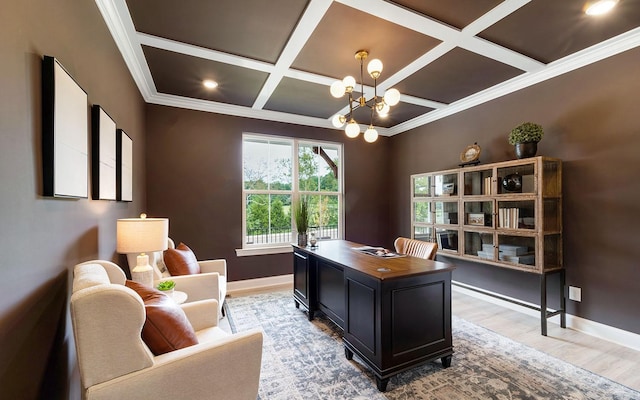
(295, 192)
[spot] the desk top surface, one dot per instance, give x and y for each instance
(342, 252)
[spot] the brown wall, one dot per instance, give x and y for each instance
(591, 122)
(194, 166)
(42, 238)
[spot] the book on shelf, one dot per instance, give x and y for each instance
(508, 217)
(486, 184)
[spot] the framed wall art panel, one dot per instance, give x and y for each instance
(65, 133)
(124, 166)
(103, 155)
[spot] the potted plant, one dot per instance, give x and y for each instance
(525, 138)
(301, 216)
(166, 287)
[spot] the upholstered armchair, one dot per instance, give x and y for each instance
(210, 283)
(108, 319)
(416, 248)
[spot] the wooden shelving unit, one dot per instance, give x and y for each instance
(507, 214)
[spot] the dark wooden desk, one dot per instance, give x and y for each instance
(395, 312)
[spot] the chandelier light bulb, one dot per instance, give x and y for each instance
(337, 89)
(374, 68)
(353, 129)
(383, 109)
(371, 135)
(338, 120)
(392, 97)
(349, 83)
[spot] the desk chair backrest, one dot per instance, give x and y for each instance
(416, 248)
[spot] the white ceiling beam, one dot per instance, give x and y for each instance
(307, 24)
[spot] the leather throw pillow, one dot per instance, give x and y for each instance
(166, 327)
(181, 261)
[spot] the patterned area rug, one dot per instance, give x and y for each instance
(305, 360)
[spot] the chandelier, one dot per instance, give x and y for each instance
(379, 105)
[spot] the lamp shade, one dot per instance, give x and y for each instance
(141, 235)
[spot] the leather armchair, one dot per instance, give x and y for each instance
(211, 283)
(115, 363)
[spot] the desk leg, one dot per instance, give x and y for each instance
(446, 361)
(382, 384)
(348, 354)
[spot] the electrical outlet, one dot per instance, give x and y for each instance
(575, 293)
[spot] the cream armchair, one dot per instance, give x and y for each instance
(115, 363)
(211, 283)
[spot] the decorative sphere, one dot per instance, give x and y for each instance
(512, 183)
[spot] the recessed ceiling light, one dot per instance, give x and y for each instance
(209, 84)
(600, 7)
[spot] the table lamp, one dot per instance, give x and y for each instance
(142, 235)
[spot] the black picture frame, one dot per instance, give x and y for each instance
(65, 133)
(103, 155)
(124, 166)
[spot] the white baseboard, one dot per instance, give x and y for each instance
(271, 282)
(596, 329)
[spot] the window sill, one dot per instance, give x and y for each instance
(259, 251)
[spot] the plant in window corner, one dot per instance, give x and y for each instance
(525, 138)
(301, 215)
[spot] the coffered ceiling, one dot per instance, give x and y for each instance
(275, 59)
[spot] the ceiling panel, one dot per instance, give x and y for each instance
(548, 30)
(456, 75)
(344, 30)
(303, 98)
(457, 13)
(255, 29)
(182, 75)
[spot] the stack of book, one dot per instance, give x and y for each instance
(516, 254)
(508, 217)
(486, 252)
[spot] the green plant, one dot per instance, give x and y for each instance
(526, 132)
(301, 214)
(166, 285)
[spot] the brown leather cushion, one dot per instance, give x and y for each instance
(181, 261)
(166, 327)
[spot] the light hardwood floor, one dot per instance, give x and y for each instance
(618, 363)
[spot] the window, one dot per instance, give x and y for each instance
(276, 172)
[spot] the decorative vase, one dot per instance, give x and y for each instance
(526, 150)
(302, 239)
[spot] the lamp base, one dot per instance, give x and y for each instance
(143, 272)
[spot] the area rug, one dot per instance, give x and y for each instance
(305, 360)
